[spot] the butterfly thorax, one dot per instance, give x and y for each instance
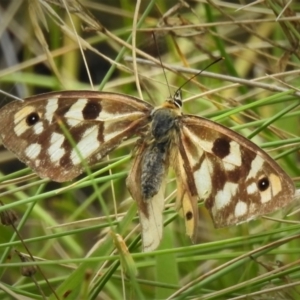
(164, 120)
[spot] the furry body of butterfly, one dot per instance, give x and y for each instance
(236, 179)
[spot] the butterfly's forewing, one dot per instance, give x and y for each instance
(97, 122)
(237, 180)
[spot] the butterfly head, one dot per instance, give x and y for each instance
(174, 103)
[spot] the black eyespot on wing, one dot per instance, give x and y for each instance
(263, 184)
(91, 110)
(221, 147)
(32, 119)
(189, 215)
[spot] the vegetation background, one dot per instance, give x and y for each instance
(70, 228)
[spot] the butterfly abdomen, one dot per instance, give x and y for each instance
(154, 167)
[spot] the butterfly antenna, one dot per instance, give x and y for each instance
(191, 78)
(159, 57)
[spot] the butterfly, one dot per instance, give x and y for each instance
(236, 179)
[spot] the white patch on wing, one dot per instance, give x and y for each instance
(38, 128)
(228, 166)
(240, 209)
(252, 188)
(55, 151)
(73, 122)
(224, 196)
(193, 159)
(203, 179)
(206, 145)
(20, 119)
(152, 226)
(106, 116)
(112, 134)
(51, 107)
(33, 151)
(234, 157)
(256, 166)
(87, 146)
(266, 196)
(74, 114)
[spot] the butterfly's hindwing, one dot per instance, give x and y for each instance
(237, 180)
(148, 195)
(187, 197)
(96, 122)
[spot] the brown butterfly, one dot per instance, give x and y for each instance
(236, 179)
